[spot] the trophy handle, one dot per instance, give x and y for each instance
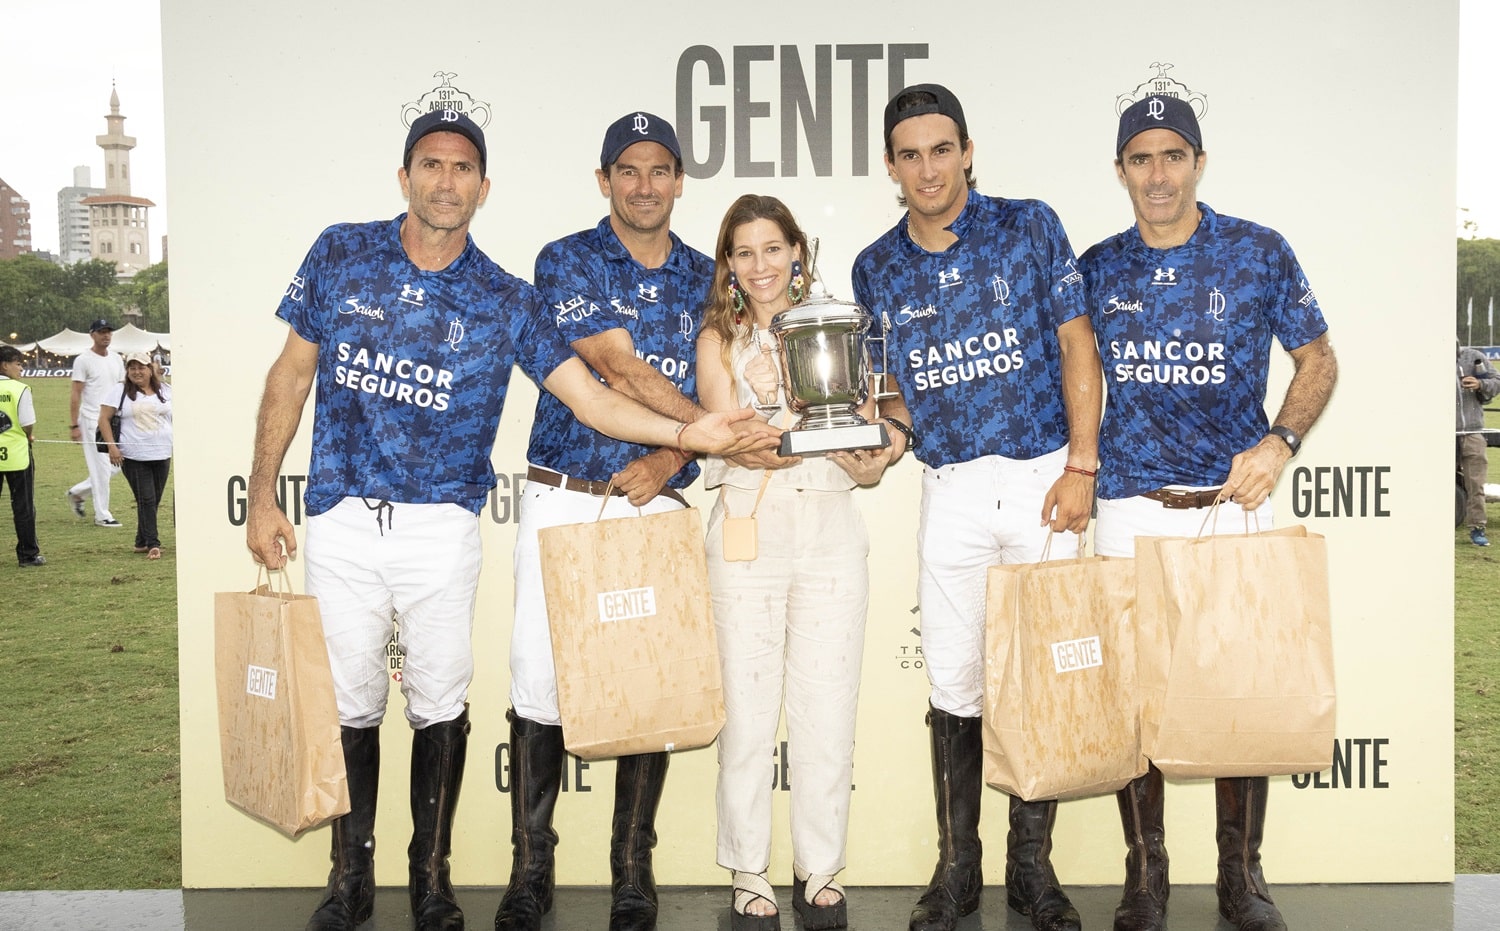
(815, 284)
(879, 380)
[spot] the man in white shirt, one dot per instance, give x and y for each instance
(97, 373)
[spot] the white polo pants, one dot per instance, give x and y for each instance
(1120, 521)
(416, 563)
(101, 470)
(976, 514)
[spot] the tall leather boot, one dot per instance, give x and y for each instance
(1031, 886)
(957, 781)
(350, 896)
(1243, 896)
(536, 759)
(437, 772)
(1143, 907)
(638, 784)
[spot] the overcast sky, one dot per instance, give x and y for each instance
(61, 58)
(55, 74)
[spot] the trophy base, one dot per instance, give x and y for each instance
(816, 442)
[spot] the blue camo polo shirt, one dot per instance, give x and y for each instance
(973, 329)
(1185, 334)
(412, 366)
(592, 284)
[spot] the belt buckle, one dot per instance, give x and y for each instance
(1179, 500)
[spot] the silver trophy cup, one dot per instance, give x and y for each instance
(826, 375)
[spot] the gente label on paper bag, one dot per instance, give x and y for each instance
(261, 681)
(1073, 655)
(627, 604)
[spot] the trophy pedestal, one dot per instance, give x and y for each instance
(817, 441)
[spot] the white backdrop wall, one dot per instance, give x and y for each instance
(1331, 121)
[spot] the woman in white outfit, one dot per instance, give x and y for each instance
(143, 450)
(790, 620)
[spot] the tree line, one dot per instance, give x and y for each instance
(38, 298)
(1478, 279)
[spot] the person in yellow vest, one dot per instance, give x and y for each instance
(17, 415)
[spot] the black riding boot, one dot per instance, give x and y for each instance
(957, 781)
(638, 784)
(1031, 887)
(437, 772)
(1143, 907)
(350, 897)
(1243, 896)
(536, 759)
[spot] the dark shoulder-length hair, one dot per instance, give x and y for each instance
(719, 317)
(131, 390)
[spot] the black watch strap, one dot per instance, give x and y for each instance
(1288, 436)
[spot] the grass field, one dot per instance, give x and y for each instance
(1476, 693)
(89, 759)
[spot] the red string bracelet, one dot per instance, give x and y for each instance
(1077, 471)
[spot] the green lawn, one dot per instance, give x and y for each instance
(89, 759)
(1476, 676)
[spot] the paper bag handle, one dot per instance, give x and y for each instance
(1213, 515)
(262, 572)
(609, 489)
(1083, 540)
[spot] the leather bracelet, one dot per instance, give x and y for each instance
(1077, 471)
(908, 432)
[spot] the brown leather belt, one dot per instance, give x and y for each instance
(589, 486)
(1183, 500)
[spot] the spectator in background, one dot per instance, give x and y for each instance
(143, 450)
(17, 415)
(1478, 382)
(97, 374)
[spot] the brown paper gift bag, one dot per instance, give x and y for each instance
(1235, 653)
(1060, 700)
(633, 634)
(278, 722)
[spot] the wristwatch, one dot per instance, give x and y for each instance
(1288, 436)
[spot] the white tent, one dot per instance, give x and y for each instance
(131, 338)
(128, 338)
(66, 343)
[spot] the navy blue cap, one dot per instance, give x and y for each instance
(1172, 113)
(446, 121)
(938, 99)
(637, 127)
(101, 324)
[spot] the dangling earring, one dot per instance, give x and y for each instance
(736, 300)
(796, 289)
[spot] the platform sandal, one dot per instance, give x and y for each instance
(805, 890)
(747, 888)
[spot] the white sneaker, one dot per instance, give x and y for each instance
(107, 522)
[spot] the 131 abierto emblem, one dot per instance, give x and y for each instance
(1160, 85)
(446, 97)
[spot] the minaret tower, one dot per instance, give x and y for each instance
(118, 223)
